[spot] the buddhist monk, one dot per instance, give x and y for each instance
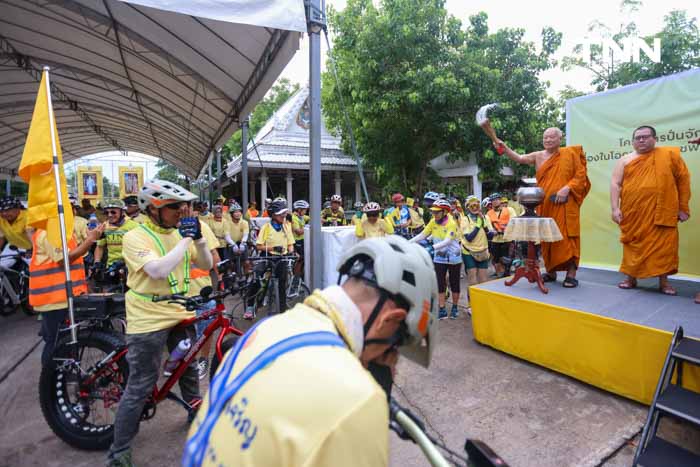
(649, 194)
(562, 174)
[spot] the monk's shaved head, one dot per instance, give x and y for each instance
(551, 138)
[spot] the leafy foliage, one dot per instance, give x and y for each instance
(413, 78)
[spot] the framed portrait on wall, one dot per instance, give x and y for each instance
(130, 181)
(89, 182)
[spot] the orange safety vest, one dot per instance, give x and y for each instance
(196, 273)
(47, 281)
(499, 220)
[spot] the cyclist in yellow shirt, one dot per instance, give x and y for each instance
(333, 215)
(13, 224)
(239, 229)
(221, 228)
(339, 416)
(131, 205)
(117, 225)
(299, 220)
(475, 247)
(373, 225)
(159, 254)
(275, 238)
(448, 254)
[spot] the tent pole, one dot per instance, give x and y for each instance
(244, 165)
(218, 175)
(315, 18)
(61, 215)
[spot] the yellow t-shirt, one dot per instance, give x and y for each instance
(480, 242)
(205, 217)
(238, 229)
(268, 236)
(416, 218)
(139, 248)
(220, 229)
(298, 222)
(45, 251)
(17, 233)
(328, 216)
(140, 218)
(451, 254)
(199, 283)
(339, 416)
(365, 229)
(112, 239)
(80, 228)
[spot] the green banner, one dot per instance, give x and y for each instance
(603, 123)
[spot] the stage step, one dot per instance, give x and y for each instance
(681, 403)
(674, 401)
(688, 350)
(661, 453)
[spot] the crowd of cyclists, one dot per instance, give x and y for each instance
(166, 241)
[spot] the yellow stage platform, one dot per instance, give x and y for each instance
(613, 339)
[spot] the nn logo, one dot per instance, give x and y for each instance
(628, 50)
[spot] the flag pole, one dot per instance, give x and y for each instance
(61, 215)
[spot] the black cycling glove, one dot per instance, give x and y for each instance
(190, 227)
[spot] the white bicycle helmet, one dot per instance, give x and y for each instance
(358, 205)
(161, 192)
(431, 196)
(372, 207)
(336, 199)
(300, 204)
(404, 272)
(235, 207)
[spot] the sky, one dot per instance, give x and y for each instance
(571, 18)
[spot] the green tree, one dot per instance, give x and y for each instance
(281, 91)
(413, 78)
(167, 171)
(680, 50)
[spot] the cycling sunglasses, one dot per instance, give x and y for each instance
(175, 206)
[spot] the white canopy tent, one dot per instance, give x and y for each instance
(169, 78)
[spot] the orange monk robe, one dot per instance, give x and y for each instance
(565, 168)
(655, 186)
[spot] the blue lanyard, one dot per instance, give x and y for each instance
(220, 392)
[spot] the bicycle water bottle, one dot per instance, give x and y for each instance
(177, 354)
(92, 221)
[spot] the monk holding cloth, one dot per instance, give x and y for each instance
(562, 174)
(649, 195)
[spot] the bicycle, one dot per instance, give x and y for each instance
(266, 293)
(110, 279)
(80, 393)
(409, 427)
(14, 283)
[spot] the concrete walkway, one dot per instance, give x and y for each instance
(529, 415)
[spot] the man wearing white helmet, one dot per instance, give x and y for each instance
(372, 225)
(117, 225)
(158, 254)
(333, 215)
(339, 415)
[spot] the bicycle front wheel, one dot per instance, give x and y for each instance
(78, 407)
(297, 293)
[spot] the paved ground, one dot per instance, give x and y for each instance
(529, 415)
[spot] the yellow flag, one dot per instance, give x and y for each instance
(36, 169)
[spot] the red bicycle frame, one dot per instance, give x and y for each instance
(159, 394)
(221, 321)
